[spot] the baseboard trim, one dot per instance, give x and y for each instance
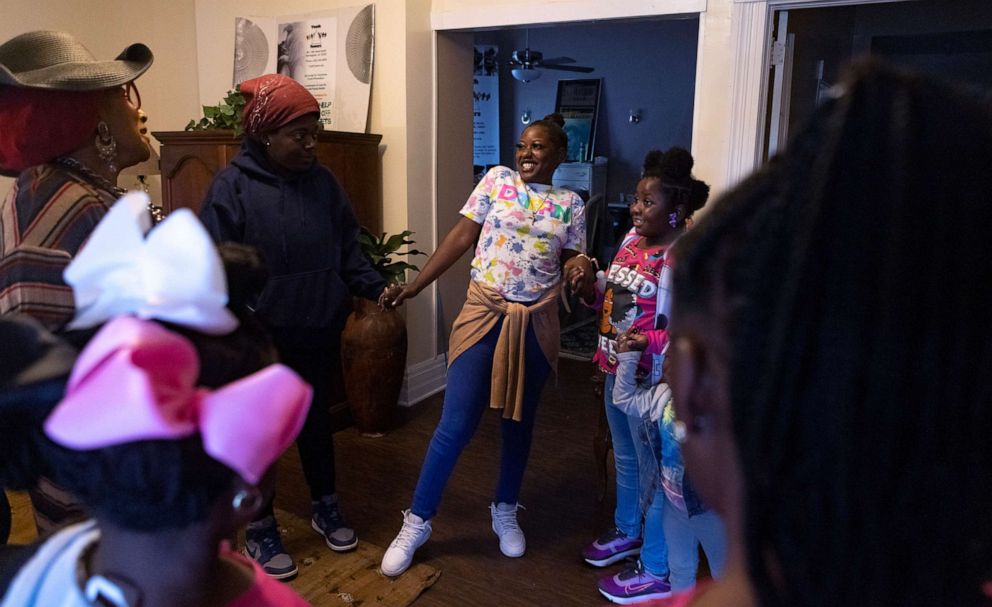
(424, 379)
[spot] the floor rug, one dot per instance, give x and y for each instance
(347, 578)
(578, 341)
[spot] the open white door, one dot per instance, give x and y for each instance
(780, 64)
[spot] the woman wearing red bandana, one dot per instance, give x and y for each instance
(276, 197)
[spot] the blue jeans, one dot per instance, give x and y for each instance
(639, 494)
(465, 399)
(684, 535)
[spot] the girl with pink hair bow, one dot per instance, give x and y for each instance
(168, 470)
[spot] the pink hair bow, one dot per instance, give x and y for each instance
(136, 381)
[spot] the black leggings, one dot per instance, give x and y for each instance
(316, 441)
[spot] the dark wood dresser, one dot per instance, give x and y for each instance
(190, 159)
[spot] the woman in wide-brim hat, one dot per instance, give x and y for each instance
(68, 125)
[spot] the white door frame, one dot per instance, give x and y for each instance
(752, 27)
(566, 11)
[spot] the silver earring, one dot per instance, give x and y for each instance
(673, 219)
(680, 432)
(268, 142)
(106, 146)
(245, 500)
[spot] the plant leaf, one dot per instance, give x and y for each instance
(400, 267)
(395, 242)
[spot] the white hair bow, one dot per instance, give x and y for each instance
(175, 274)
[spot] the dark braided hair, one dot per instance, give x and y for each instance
(862, 344)
(674, 169)
(554, 124)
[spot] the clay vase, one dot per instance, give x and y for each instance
(373, 358)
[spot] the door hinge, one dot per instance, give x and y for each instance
(777, 53)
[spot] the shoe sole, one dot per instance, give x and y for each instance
(505, 553)
(284, 576)
(396, 574)
(327, 540)
(616, 558)
(633, 600)
(410, 564)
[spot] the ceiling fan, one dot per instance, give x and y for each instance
(524, 64)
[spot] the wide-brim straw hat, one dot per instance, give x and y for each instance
(57, 61)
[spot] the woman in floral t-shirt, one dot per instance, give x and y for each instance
(504, 343)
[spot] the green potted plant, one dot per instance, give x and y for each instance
(225, 115)
(373, 344)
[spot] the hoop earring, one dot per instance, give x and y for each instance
(246, 500)
(106, 146)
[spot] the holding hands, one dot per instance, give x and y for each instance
(580, 275)
(632, 340)
(393, 295)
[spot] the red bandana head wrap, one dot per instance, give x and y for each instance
(273, 100)
(39, 125)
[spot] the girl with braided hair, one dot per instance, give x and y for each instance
(831, 372)
(633, 296)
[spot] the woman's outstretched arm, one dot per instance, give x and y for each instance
(459, 239)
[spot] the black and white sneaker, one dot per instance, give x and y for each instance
(264, 545)
(328, 522)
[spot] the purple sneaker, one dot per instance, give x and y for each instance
(634, 585)
(611, 547)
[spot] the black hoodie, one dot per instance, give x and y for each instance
(305, 229)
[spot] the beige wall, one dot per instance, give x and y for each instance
(712, 107)
(105, 27)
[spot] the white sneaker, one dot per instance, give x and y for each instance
(399, 555)
(511, 538)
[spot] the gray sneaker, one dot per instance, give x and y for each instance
(264, 545)
(328, 522)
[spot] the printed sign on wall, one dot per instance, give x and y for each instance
(485, 95)
(330, 53)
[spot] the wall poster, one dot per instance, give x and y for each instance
(485, 106)
(330, 53)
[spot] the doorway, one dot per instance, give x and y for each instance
(665, 114)
(812, 47)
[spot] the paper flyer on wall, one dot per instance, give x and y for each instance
(485, 107)
(330, 53)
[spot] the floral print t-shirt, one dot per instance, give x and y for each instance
(525, 227)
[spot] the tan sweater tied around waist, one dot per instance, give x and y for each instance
(482, 310)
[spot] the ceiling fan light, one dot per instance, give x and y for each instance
(525, 74)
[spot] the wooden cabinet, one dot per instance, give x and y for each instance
(190, 159)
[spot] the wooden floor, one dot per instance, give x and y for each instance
(376, 477)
